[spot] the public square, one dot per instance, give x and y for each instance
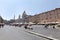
(18, 33)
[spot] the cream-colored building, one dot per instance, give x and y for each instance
(46, 17)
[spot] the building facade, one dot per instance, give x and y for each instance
(23, 19)
(46, 17)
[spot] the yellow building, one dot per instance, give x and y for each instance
(46, 17)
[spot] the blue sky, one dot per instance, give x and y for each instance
(10, 7)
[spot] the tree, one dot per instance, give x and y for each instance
(1, 19)
(24, 17)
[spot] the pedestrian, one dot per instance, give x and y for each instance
(46, 26)
(25, 26)
(53, 27)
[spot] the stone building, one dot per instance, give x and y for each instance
(18, 20)
(46, 17)
(23, 19)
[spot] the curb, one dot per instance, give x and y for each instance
(40, 35)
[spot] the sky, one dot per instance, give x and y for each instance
(9, 8)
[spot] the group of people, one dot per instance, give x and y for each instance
(1, 26)
(46, 26)
(28, 27)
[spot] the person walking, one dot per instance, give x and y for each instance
(46, 26)
(25, 26)
(53, 27)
